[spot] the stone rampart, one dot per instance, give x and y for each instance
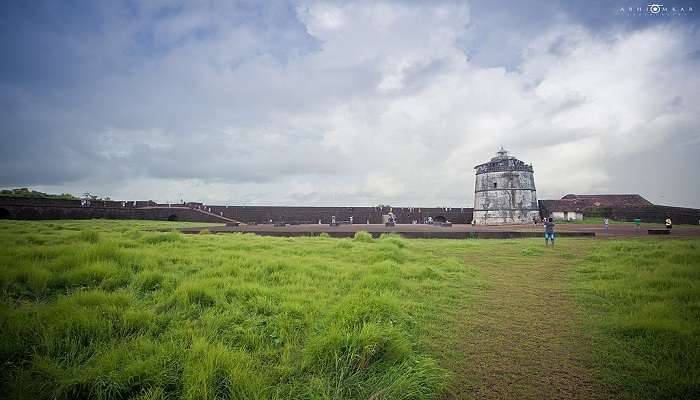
(34, 209)
(651, 214)
(360, 215)
(49, 209)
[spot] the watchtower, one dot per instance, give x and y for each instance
(504, 192)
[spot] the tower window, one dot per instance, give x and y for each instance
(495, 185)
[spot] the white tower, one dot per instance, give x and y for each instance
(504, 192)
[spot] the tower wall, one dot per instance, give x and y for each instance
(504, 192)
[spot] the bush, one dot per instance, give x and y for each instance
(346, 351)
(373, 359)
(157, 238)
(212, 371)
(363, 236)
(33, 278)
(148, 280)
(104, 251)
(92, 274)
(88, 236)
(196, 293)
(393, 238)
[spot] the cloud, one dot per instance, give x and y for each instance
(351, 103)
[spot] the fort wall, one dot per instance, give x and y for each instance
(652, 214)
(49, 209)
(360, 215)
(36, 209)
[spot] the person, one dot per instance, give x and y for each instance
(669, 224)
(549, 232)
(606, 222)
(637, 222)
(351, 220)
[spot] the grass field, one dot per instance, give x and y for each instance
(644, 301)
(596, 220)
(106, 310)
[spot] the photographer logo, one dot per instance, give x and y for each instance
(656, 10)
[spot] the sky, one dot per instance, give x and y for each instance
(348, 103)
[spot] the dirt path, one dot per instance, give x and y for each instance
(521, 339)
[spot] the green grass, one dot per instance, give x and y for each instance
(643, 302)
(98, 309)
(594, 220)
(113, 310)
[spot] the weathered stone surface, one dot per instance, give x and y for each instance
(30, 208)
(504, 192)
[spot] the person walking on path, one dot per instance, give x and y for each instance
(669, 224)
(606, 222)
(549, 232)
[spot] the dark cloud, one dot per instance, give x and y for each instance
(340, 102)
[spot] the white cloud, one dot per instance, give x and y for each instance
(376, 102)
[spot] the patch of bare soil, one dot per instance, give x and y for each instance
(522, 340)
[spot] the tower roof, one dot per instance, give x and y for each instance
(503, 162)
(502, 154)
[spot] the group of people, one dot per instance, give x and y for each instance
(334, 221)
(200, 207)
(549, 227)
